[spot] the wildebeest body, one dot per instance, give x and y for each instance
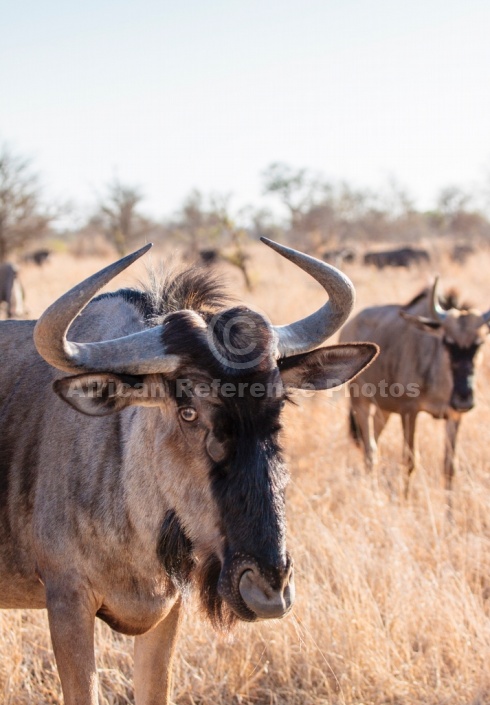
(427, 362)
(38, 257)
(339, 256)
(399, 257)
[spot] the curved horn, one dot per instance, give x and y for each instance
(138, 353)
(310, 332)
(438, 313)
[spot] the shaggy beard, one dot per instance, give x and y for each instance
(205, 578)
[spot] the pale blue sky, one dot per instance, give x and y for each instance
(176, 95)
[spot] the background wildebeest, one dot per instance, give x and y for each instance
(427, 363)
(115, 514)
(11, 291)
(38, 257)
(339, 256)
(209, 256)
(400, 257)
(461, 252)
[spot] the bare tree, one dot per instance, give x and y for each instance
(396, 200)
(204, 222)
(211, 232)
(298, 189)
(119, 216)
(452, 199)
(192, 221)
(22, 217)
(457, 215)
(302, 192)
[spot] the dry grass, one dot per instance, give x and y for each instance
(393, 600)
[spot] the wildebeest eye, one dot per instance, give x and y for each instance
(188, 413)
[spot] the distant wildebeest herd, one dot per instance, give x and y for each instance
(398, 257)
(406, 256)
(147, 462)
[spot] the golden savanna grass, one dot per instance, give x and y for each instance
(392, 598)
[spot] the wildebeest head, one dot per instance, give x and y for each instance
(462, 332)
(220, 379)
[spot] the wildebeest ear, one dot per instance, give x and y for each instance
(421, 322)
(101, 394)
(326, 368)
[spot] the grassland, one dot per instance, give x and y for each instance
(393, 600)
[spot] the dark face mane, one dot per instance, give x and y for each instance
(462, 361)
(233, 350)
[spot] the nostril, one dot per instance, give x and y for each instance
(271, 579)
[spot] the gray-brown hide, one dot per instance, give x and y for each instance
(11, 292)
(429, 352)
(170, 479)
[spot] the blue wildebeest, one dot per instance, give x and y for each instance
(429, 349)
(339, 256)
(11, 291)
(399, 257)
(461, 252)
(38, 257)
(114, 515)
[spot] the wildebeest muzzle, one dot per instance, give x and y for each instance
(256, 591)
(463, 371)
(462, 400)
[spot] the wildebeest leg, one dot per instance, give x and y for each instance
(452, 427)
(361, 418)
(71, 621)
(409, 446)
(16, 301)
(379, 422)
(10, 307)
(153, 653)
